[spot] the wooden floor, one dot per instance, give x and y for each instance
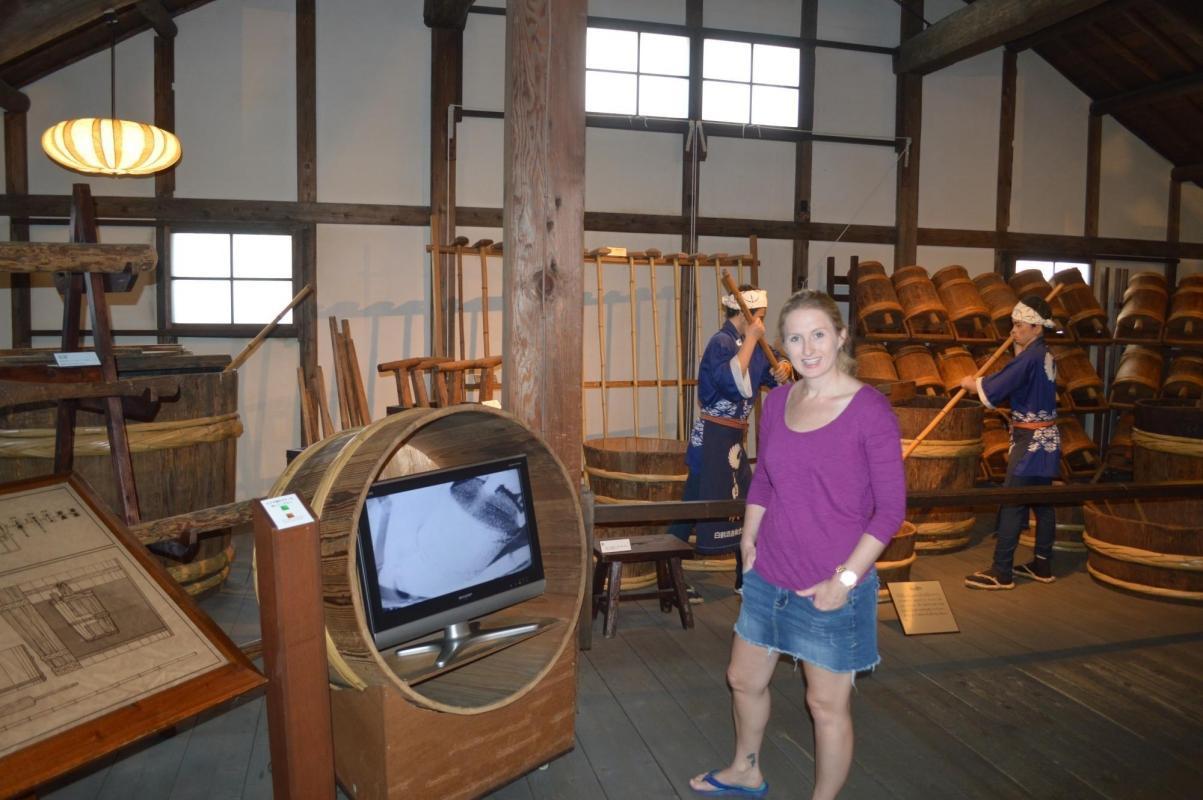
(1070, 690)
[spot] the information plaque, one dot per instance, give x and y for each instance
(922, 607)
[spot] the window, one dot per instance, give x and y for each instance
(750, 83)
(230, 278)
(1051, 268)
(629, 72)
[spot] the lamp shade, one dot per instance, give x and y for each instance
(111, 146)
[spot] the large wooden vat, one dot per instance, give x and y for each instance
(946, 459)
(1138, 376)
(877, 304)
(1185, 321)
(966, 309)
(1154, 547)
(1167, 441)
(914, 362)
(1087, 318)
(1144, 304)
(184, 460)
(1184, 379)
(874, 364)
(925, 312)
(894, 563)
(999, 297)
(1077, 376)
(635, 469)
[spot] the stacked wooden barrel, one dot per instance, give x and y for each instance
(874, 365)
(1079, 453)
(1184, 380)
(999, 297)
(967, 310)
(1138, 376)
(914, 362)
(1087, 318)
(877, 305)
(894, 563)
(1031, 282)
(1143, 313)
(1184, 325)
(996, 444)
(1119, 448)
(954, 363)
(926, 314)
(1076, 374)
(946, 459)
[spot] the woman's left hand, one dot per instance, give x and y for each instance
(828, 595)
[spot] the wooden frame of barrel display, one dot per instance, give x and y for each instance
(464, 732)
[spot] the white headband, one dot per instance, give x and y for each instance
(753, 298)
(1025, 313)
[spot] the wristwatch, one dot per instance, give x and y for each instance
(846, 576)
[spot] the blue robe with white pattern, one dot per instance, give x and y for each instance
(1029, 383)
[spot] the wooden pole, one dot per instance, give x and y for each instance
(601, 340)
(323, 403)
(729, 283)
(678, 345)
(632, 293)
(652, 255)
(956, 398)
(483, 248)
(254, 344)
(459, 295)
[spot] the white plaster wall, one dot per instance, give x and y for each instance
(671, 11)
(636, 171)
(762, 16)
(958, 170)
(974, 259)
(235, 97)
(746, 178)
(1048, 182)
(1191, 226)
(479, 162)
(853, 184)
(1133, 187)
(863, 21)
(854, 93)
(484, 70)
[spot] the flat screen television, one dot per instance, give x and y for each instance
(440, 549)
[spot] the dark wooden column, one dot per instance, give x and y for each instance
(1006, 152)
(908, 123)
(1173, 229)
(544, 219)
(16, 181)
(804, 150)
(305, 247)
(164, 66)
(446, 91)
(691, 183)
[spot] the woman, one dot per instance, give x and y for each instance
(1029, 382)
(828, 495)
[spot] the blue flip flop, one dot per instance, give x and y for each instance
(731, 790)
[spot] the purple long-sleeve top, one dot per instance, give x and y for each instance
(823, 489)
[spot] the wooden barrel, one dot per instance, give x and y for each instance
(635, 469)
(955, 363)
(1119, 448)
(1167, 441)
(1031, 281)
(914, 362)
(1144, 305)
(924, 311)
(1067, 536)
(966, 309)
(1087, 318)
(185, 459)
(334, 476)
(1192, 281)
(946, 459)
(999, 297)
(877, 305)
(1185, 322)
(996, 445)
(874, 364)
(1138, 376)
(894, 563)
(1153, 547)
(982, 354)
(1184, 379)
(1146, 280)
(1079, 454)
(1076, 374)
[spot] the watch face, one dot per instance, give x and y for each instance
(848, 578)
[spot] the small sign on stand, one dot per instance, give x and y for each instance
(922, 607)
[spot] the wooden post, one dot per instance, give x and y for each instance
(1006, 152)
(16, 181)
(305, 239)
(544, 219)
(294, 655)
(908, 124)
(446, 90)
(804, 149)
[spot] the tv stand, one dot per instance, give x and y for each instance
(463, 642)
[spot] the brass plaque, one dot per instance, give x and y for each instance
(922, 607)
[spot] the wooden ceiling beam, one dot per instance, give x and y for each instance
(1145, 95)
(446, 13)
(25, 27)
(12, 99)
(1073, 24)
(1188, 172)
(980, 27)
(158, 17)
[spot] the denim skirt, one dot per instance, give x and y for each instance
(844, 640)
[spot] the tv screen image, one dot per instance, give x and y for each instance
(440, 549)
(440, 539)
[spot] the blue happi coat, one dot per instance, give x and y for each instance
(1029, 384)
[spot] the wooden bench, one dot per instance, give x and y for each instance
(664, 549)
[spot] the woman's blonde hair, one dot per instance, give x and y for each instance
(821, 301)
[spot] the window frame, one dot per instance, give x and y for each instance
(638, 73)
(230, 330)
(750, 83)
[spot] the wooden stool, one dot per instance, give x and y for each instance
(663, 548)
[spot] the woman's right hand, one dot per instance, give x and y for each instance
(747, 552)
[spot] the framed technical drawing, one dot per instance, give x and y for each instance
(98, 645)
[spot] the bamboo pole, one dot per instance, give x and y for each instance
(324, 403)
(308, 423)
(729, 283)
(253, 344)
(754, 249)
(459, 293)
(336, 348)
(697, 303)
(633, 301)
(483, 247)
(956, 398)
(601, 338)
(363, 411)
(678, 344)
(652, 255)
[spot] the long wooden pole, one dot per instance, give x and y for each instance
(956, 398)
(729, 283)
(253, 344)
(634, 309)
(652, 255)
